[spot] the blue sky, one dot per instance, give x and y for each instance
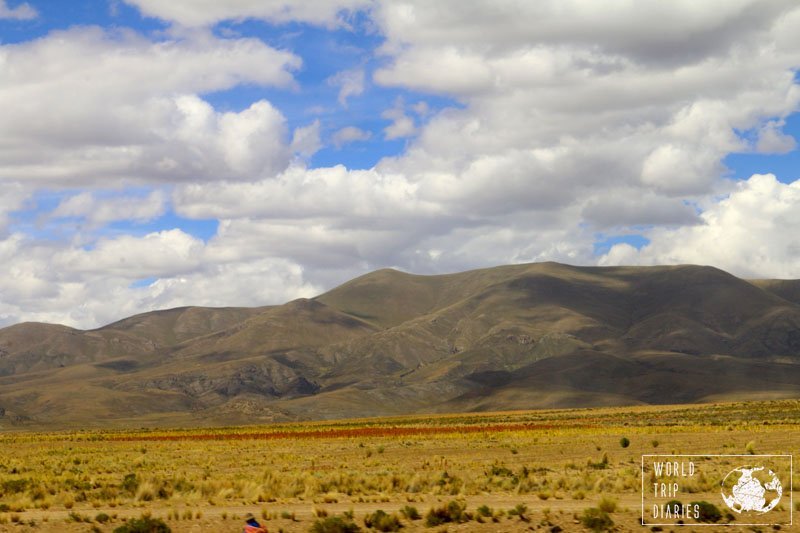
(194, 152)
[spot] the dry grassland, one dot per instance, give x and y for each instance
(519, 471)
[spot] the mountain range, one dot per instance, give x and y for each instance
(390, 343)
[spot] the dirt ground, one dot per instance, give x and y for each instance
(544, 516)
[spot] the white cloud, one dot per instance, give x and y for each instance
(208, 12)
(152, 126)
(305, 140)
(23, 11)
(563, 101)
(350, 83)
(348, 135)
(61, 282)
(771, 140)
(753, 232)
(568, 119)
(12, 199)
(102, 210)
(402, 125)
(301, 193)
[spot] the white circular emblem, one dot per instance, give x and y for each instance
(751, 489)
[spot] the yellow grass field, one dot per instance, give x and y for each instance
(516, 471)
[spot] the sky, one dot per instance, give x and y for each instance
(195, 152)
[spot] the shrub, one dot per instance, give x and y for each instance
(520, 511)
(102, 518)
(334, 524)
(596, 519)
(77, 517)
(708, 511)
(130, 483)
(410, 512)
(675, 506)
(382, 522)
(14, 486)
(485, 510)
(144, 524)
(624, 442)
(452, 512)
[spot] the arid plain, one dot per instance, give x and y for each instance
(512, 471)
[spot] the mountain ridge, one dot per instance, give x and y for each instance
(389, 342)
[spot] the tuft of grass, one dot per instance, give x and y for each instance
(411, 512)
(145, 524)
(600, 465)
(334, 524)
(381, 521)
(608, 505)
(596, 519)
(520, 510)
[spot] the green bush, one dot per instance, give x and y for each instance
(144, 524)
(485, 511)
(596, 519)
(708, 511)
(334, 524)
(624, 442)
(102, 518)
(382, 522)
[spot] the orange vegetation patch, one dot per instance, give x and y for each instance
(380, 431)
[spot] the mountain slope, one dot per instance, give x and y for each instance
(517, 336)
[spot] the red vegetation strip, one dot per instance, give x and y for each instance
(344, 433)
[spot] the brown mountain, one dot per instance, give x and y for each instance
(520, 336)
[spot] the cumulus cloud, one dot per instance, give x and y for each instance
(548, 123)
(562, 101)
(753, 232)
(306, 140)
(349, 134)
(23, 11)
(402, 125)
(80, 287)
(14, 194)
(299, 193)
(350, 83)
(153, 126)
(97, 210)
(208, 12)
(771, 140)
